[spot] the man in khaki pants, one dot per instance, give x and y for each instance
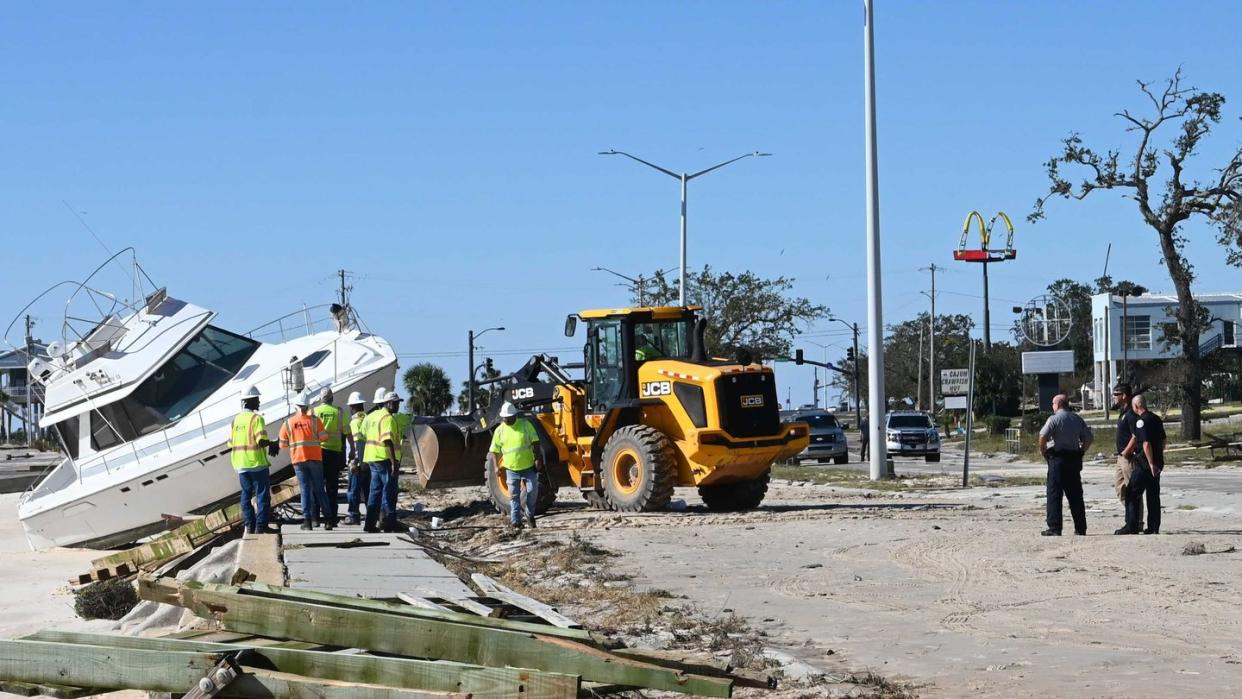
(1122, 395)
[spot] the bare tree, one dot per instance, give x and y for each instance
(1155, 179)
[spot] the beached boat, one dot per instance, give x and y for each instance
(143, 401)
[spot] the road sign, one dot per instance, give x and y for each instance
(953, 382)
(1048, 362)
(955, 402)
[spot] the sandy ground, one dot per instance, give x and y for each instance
(955, 591)
(34, 586)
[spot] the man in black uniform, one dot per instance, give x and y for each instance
(864, 438)
(1122, 394)
(1147, 446)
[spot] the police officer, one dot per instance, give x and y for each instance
(250, 448)
(359, 476)
(1122, 394)
(1062, 440)
(864, 438)
(382, 456)
(1147, 448)
(514, 445)
(336, 440)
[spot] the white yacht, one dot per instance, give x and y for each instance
(143, 402)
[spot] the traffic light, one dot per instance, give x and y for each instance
(487, 366)
(798, 357)
(849, 354)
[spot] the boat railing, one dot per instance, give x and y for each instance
(294, 325)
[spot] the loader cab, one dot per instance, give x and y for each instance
(618, 341)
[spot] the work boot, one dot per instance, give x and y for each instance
(1151, 531)
(1125, 530)
(267, 529)
(515, 525)
(530, 519)
(328, 526)
(249, 530)
(1050, 532)
(306, 525)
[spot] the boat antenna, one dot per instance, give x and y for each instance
(94, 235)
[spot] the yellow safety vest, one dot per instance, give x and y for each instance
(380, 426)
(515, 444)
(248, 429)
(358, 431)
(333, 419)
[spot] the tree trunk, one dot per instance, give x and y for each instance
(1188, 333)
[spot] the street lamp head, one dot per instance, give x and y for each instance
(608, 152)
(761, 155)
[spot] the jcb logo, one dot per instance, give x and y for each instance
(520, 393)
(753, 401)
(655, 389)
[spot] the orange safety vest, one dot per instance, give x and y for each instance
(303, 436)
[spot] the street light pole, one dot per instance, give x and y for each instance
(471, 337)
(684, 178)
(875, 310)
(640, 284)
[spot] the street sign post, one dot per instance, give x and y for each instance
(953, 382)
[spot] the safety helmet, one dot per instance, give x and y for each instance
(355, 398)
(303, 399)
(327, 395)
(394, 396)
(379, 395)
(250, 392)
(508, 410)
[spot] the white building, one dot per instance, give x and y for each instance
(1131, 329)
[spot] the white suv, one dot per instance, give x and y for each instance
(912, 433)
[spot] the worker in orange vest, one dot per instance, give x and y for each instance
(303, 435)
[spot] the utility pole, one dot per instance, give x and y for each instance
(28, 405)
(931, 351)
(857, 404)
(918, 392)
(815, 393)
(876, 403)
(470, 369)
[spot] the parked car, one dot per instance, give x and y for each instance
(827, 438)
(912, 433)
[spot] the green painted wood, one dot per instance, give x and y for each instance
(374, 605)
(101, 667)
(421, 638)
(44, 689)
(479, 682)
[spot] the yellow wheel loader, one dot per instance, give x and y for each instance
(650, 412)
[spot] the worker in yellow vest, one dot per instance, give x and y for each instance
(515, 447)
(250, 449)
(359, 475)
(382, 455)
(302, 434)
(336, 429)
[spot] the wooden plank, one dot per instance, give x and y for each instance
(181, 540)
(105, 668)
(479, 682)
(492, 588)
(373, 605)
(477, 609)
(420, 637)
(421, 602)
(266, 683)
(44, 689)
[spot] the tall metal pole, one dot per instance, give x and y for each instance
(857, 405)
(28, 409)
(931, 352)
(918, 392)
(987, 313)
(970, 418)
(875, 311)
(681, 286)
(470, 374)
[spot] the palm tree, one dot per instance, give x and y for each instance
(429, 388)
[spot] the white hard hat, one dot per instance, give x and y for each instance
(379, 394)
(355, 398)
(250, 392)
(391, 397)
(508, 410)
(303, 400)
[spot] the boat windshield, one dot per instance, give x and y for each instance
(185, 381)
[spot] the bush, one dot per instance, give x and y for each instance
(110, 599)
(1032, 422)
(997, 424)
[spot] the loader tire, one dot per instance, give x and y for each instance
(734, 497)
(498, 489)
(596, 501)
(639, 469)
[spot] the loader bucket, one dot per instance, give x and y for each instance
(449, 455)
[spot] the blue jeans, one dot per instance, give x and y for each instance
(314, 496)
(359, 488)
(383, 495)
(255, 483)
(515, 479)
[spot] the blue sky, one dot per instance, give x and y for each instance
(446, 152)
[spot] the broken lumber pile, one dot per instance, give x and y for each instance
(180, 541)
(279, 641)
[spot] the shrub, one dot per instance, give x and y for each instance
(1032, 422)
(997, 424)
